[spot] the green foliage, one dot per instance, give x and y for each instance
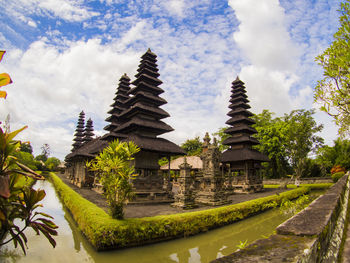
(333, 91)
(287, 141)
(328, 157)
(18, 199)
(27, 159)
(242, 245)
(163, 161)
(301, 138)
(114, 172)
(52, 163)
(192, 146)
(41, 157)
(337, 176)
(294, 207)
(272, 135)
(104, 232)
(221, 135)
(26, 147)
(322, 186)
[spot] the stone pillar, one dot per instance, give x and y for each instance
(184, 198)
(212, 190)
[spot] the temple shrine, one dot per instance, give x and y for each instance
(136, 115)
(241, 162)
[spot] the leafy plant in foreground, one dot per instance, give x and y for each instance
(18, 199)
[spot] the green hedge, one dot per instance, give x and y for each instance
(104, 233)
(293, 186)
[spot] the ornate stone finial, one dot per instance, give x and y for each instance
(185, 160)
(206, 140)
(215, 141)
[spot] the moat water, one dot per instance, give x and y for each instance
(73, 247)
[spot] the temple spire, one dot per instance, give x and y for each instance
(79, 132)
(119, 103)
(143, 113)
(89, 131)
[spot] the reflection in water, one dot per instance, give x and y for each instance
(73, 247)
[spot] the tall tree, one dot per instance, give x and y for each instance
(272, 135)
(301, 138)
(333, 91)
(26, 147)
(192, 146)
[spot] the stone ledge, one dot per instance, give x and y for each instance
(317, 215)
(276, 248)
(312, 235)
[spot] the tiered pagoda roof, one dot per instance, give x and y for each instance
(89, 131)
(241, 139)
(119, 103)
(143, 113)
(79, 132)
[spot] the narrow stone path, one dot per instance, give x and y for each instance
(137, 211)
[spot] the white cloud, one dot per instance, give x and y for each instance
(32, 23)
(175, 7)
(69, 10)
(50, 87)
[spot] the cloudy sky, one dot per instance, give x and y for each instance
(65, 56)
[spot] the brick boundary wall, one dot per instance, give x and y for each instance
(313, 235)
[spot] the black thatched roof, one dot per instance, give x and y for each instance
(88, 149)
(242, 128)
(146, 97)
(239, 104)
(119, 103)
(148, 79)
(147, 69)
(79, 131)
(136, 118)
(239, 99)
(136, 123)
(144, 86)
(159, 145)
(245, 154)
(240, 119)
(240, 111)
(89, 131)
(240, 139)
(155, 112)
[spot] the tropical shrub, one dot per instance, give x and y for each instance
(114, 172)
(52, 163)
(337, 169)
(337, 176)
(18, 200)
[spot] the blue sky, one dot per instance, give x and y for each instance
(67, 55)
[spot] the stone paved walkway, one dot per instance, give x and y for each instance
(158, 209)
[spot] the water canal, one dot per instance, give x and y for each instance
(73, 247)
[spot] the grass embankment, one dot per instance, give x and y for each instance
(311, 186)
(104, 233)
